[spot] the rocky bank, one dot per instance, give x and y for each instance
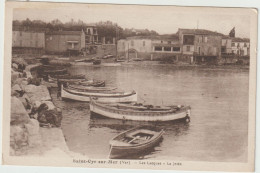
(35, 121)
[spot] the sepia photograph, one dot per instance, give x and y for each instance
(129, 86)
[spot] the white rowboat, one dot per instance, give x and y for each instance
(104, 97)
(140, 113)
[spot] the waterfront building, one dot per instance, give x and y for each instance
(60, 42)
(240, 46)
(135, 47)
(226, 43)
(150, 47)
(28, 42)
(91, 35)
(166, 47)
(200, 45)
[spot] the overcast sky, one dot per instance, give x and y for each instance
(163, 19)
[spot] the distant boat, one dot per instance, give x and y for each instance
(134, 141)
(84, 60)
(139, 112)
(65, 79)
(52, 67)
(97, 61)
(137, 59)
(108, 56)
(67, 76)
(55, 71)
(83, 82)
(120, 60)
(104, 97)
(80, 60)
(69, 81)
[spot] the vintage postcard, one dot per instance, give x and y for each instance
(129, 86)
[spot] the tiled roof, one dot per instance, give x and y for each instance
(199, 32)
(237, 39)
(169, 36)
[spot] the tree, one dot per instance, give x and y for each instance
(232, 33)
(27, 23)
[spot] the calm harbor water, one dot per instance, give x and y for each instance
(219, 115)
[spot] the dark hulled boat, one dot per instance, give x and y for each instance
(134, 141)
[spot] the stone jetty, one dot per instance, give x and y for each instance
(35, 123)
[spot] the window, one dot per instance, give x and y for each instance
(158, 48)
(167, 48)
(223, 49)
(161, 41)
(200, 39)
(176, 49)
(244, 44)
(188, 48)
(143, 43)
(233, 44)
(205, 39)
(188, 39)
(132, 42)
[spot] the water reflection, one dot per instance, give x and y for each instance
(177, 127)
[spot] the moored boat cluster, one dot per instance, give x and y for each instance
(111, 103)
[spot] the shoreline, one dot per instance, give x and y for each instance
(157, 63)
(111, 62)
(28, 136)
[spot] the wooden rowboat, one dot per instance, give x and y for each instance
(105, 97)
(137, 112)
(84, 60)
(134, 141)
(97, 62)
(68, 76)
(90, 88)
(71, 80)
(94, 83)
(94, 90)
(83, 82)
(52, 67)
(55, 71)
